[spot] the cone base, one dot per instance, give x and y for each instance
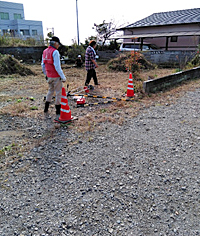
(65, 121)
(64, 116)
(130, 96)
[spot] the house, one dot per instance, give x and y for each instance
(173, 30)
(13, 23)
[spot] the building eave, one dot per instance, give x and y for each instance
(160, 34)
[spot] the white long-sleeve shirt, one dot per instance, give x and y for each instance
(56, 62)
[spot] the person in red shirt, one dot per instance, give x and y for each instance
(51, 67)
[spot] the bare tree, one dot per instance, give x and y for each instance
(105, 30)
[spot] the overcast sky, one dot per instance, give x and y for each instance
(61, 14)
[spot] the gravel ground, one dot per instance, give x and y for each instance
(141, 178)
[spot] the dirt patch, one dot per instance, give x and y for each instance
(23, 96)
(133, 174)
(10, 65)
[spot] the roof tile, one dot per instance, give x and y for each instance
(168, 18)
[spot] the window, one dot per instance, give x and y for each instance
(134, 46)
(5, 31)
(17, 16)
(8, 32)
(25, 32)
(174, 39)
(12, 33)
(4, 16)
(34, 32)
(145, 47)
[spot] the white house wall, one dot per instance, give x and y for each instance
(183, 43)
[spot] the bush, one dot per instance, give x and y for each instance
(131, 61)
(118, 63)
(112, 46)
(196, 60)
(74, 51)
(6, 41)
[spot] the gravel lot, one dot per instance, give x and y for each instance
(141, 178)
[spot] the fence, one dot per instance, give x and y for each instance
(24, 53)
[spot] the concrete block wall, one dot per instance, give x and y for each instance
(24, 53)
(158, 57)
(169, 58)
(166, 82)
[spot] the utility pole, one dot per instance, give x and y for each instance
(77, 21)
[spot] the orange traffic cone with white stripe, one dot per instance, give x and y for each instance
(65, 112)
(130, 89)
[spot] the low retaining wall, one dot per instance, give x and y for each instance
(108, 54)
(24, 53)
(155, 85)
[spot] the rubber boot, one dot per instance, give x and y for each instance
(46, 108)
(57, 110)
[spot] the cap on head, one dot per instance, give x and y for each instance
(79, 56)
(56, 39)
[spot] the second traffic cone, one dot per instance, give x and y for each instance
(86, 88)
(65, 112)
(130, 89)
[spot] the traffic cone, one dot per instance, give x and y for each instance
(65, 112)
(86, 88)
(130, 89)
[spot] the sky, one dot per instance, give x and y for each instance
(61, 14)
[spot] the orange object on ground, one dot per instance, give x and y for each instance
(65, 112)
(130, 89)
(86, 89)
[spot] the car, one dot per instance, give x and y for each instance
(136, 46)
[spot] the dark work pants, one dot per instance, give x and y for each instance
(91, 74)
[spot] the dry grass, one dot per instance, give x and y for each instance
(23, 96)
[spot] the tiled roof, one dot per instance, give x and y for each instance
(169, 18)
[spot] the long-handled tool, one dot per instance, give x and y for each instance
(93, 104)
(80, 99)
(98, 96)
(78, 91)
